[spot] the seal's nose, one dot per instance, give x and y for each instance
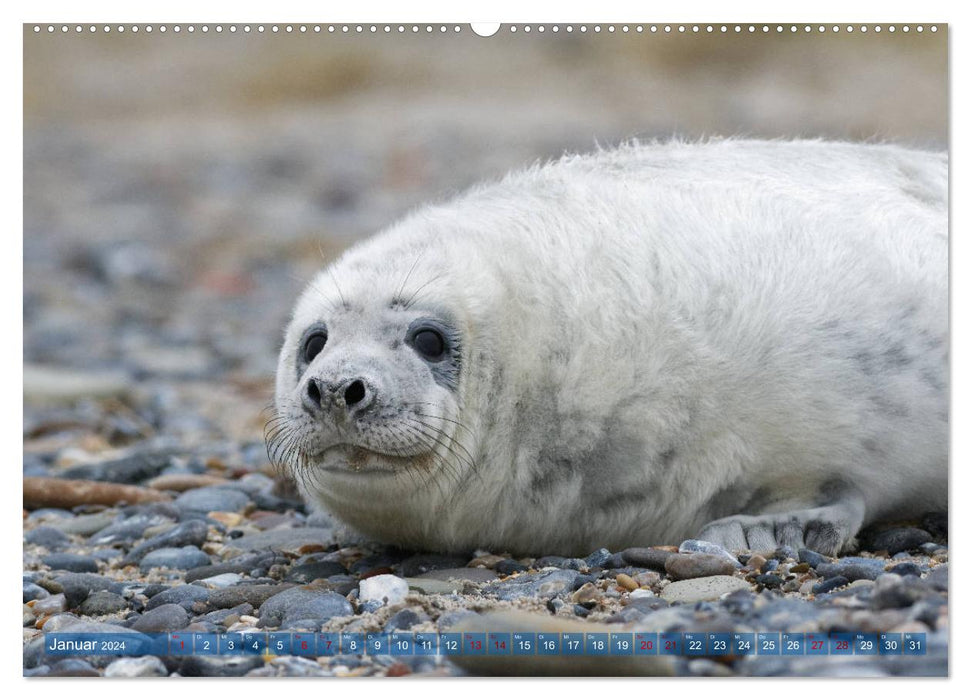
(348, 398)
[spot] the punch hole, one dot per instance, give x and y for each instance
(134, 29)
(36, 29)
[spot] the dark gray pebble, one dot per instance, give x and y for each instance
(830, 584)
(306, 573)
(937, 577)
(900, 539)
(218, 617)
(936, 524)
(544, 584)
(77, 587)
(852, 568)
(210, 498)
(769, 580)
(179, 595)
(402, 620)
(191, 532)
(75, 563)
(580, 611)
(647, 557)
(546, 561)
(219, 666)
(165, 618)
(423, 563)
(893, 591)
(509, 566)
(34, 592)
(126, 470)
(47, 536)
(580, 580)
(127, 530)
(785, 552)
(254, 594)
(238, 565)
(812, 558)
(302, 603)
(575, 564)
(174, 558)
(615, 561)
(907, 568)
(106, 553)
(103, 603)
(598, 558)
(770, 565)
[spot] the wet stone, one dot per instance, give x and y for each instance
(75, 563)
(103, 603)
(174, 558)
(47, 536)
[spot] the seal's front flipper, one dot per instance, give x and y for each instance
(827, 527)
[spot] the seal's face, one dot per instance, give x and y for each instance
(366, 389)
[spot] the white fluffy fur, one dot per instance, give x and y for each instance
(654, 335)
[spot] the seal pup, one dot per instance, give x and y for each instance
(742, 341)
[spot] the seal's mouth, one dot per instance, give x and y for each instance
(346, 458)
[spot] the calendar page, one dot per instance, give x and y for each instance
(523, 349)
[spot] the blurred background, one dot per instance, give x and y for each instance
(180, 189)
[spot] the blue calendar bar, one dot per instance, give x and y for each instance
(309, 644)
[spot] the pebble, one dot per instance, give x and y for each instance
(84, 525)
(185, 595)
(254, 594)
(210, 498)
(185, 482)
(174, 558)
(830, 584)
(42, 491)
(700, 589)
(756, 562)
(165, 618)
(127, 530)
(546, 561)
(625, 581)
(474, 575)
(77, 587)
(302, 603)
(543, 584)
(103, 603)
(305, 573)
(132, 469)
(702, 547)
(34, 592)
(900, 539)
(219, 666)
(50, 605)
(403, 620)
(238, 565)
(284, 539)
(385, 589)
(937, 577)
(221, 580)
(852, 568)
(598, 558)
(648, 557)
(191, 532)
(75, 563)
(687, 566)
(423, 563)
(812, 558)
(507, 567)
(136, 667)
(906, 568)
(47, 536)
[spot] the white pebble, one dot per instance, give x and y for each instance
(385, 588)
(136, 667)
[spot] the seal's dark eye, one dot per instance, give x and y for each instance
(429, 343)
(313, 345)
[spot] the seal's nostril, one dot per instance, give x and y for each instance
(313, 392)
(355, 392)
